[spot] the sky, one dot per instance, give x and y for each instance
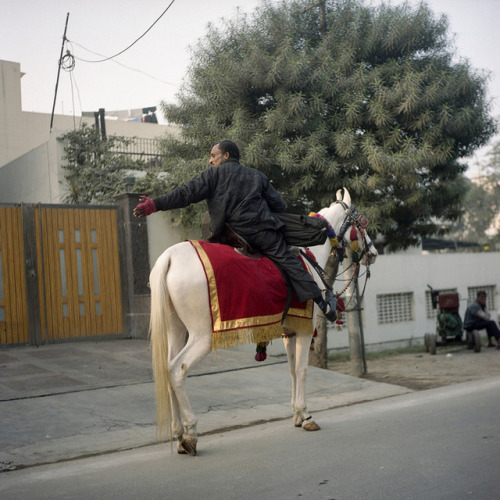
(152, 70)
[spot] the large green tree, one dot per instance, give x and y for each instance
(321, 95)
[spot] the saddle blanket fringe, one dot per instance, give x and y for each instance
(247, 298)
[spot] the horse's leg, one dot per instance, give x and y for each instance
(197, 348)
(301, 417)
(188, 310)
(290, 348)
(177, 340)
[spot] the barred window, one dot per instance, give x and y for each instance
(490, 295)
(395, 307)
(432, 313)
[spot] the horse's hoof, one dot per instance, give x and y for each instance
(311, 425)
(188, 447)
(180, 449)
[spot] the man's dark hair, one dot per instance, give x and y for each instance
(481, 293)
(231, 148)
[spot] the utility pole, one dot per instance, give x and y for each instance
(353, 328)
(59, 71)
(360, 324)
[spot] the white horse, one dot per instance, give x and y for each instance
(180, 305)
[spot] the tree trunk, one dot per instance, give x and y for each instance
(319, 357)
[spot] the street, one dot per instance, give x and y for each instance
(437, 444)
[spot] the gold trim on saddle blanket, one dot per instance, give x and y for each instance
(255, 330)
(300, 320)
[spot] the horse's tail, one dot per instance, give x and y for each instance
(158, 328)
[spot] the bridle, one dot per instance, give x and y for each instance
(358, 223)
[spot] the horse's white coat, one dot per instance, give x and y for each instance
(179, 310)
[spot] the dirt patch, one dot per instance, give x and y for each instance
(419, 371)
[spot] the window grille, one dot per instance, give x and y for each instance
(432, 313)
(490, 295)
(145, 149)
(395, 307)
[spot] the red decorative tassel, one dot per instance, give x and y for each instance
(354, 234)
(340, 309)
(340, 305)
(261, 356)
(261, 353)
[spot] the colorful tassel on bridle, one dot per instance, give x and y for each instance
(334, 241)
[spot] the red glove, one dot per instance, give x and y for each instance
(146, 207)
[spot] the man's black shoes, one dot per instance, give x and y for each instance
(328, 305)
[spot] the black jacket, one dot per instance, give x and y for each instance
(241, 196)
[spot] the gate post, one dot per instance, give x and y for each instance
(31, 274)
(134, 266)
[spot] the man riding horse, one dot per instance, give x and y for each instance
(243, 199)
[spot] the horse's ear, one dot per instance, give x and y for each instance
(347, 197)
(339, 195)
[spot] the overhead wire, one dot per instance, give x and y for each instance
(67, 62)
(73, 81)
(117, 62)
(72, 99)
(134, 42)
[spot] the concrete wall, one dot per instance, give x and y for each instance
(35, 177)
(162, 234)
(10, 108)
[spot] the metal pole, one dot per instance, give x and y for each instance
(353, 329)
(103, 124)
(59, 71)
(361, 332)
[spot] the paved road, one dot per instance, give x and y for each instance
(67, 401)
(437, 444)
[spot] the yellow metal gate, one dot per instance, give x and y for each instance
(13, 307)
(78, 274)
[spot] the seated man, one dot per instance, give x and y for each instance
(245, 199)
(477, 317)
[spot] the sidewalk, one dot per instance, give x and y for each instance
(64, 401)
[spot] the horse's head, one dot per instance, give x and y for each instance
(350, 227)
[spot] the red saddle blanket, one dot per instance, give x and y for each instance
(247, 297)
